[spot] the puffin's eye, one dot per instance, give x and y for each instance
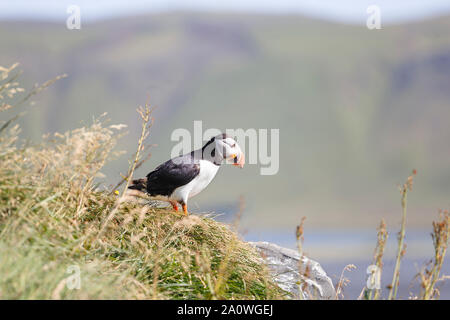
(234, 145)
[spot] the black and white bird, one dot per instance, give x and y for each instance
(179, 179)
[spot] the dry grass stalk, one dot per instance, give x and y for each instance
(343, 281)
(379, 252)
(430, 276)
(299, 235)
(10, 88)
(147, 121)
(382, 235)
(125, 178)
(304, 272)
(401, 249)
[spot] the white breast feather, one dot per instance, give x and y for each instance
(207, 172)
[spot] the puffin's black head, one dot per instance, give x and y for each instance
(224, 147)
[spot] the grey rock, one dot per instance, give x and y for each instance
(288, 270)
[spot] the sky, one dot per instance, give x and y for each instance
(349, 11)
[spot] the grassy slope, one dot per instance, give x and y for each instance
(357, 109)
(53, 223)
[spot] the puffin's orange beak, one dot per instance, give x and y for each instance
(239, 161)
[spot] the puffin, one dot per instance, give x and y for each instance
(180, 178)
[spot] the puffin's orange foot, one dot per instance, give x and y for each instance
(174, 206)
(185, 209)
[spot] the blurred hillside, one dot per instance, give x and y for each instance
(357, 109)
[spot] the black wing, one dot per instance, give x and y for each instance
(169, 176)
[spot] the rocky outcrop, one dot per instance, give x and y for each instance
(290, 270)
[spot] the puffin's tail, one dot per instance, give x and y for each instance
(136, 190)
(139, 184)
